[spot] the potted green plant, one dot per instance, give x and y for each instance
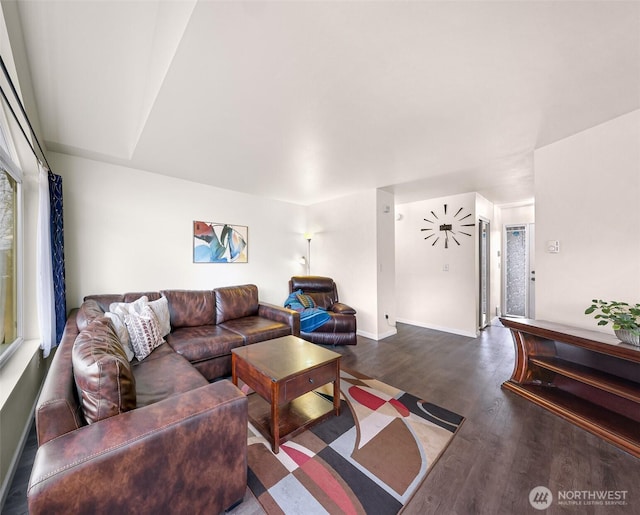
(624, 317)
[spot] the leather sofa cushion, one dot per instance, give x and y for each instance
(133, 296)
(105, 300)
(106, 385)
(204, 342)
(215, 368)
(87, 313)
(58, 410)
(256, 329)
(236, 302)
(163, 374)
(191, 308)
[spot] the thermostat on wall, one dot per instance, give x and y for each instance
(553, 246)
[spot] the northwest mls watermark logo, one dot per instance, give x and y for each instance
(540, 497)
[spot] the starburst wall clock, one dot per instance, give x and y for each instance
(451, 228)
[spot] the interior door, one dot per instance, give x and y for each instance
(519, 276)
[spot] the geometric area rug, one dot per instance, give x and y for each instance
(369, 459)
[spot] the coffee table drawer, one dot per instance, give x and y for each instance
(307, 381)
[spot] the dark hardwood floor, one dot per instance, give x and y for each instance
(16, 501)
(506, 446)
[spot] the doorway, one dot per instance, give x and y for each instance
(519, 273)
(483, 242)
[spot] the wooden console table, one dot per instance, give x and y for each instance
(589, 378)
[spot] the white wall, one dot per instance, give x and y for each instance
(344, 247)
(426, 295)
(386, 266)
(524, 214)
(129, 230)
(587, 191)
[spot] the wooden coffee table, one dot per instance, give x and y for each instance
(284, 372)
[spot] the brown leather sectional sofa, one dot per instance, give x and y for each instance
(150, 436)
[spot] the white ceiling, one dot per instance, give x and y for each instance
(306, 101)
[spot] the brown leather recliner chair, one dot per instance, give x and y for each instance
(340, 329)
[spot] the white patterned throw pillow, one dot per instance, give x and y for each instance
(117, 312)
(161, 309)
(144, 332)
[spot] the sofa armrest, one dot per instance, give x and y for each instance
(342, 309)
(57, 410)
(188, 451)
(281, 314)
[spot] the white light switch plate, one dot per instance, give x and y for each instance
(553, 246)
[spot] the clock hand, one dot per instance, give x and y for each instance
(454, 238)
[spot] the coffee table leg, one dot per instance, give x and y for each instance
(275, 420)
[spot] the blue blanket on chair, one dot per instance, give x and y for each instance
(310, 318)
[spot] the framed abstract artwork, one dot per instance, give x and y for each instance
(220, 243)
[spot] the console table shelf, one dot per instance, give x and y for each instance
(612, 384)
(591, 379)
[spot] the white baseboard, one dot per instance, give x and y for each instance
(379, 336)
(388, 333)
(439, 328)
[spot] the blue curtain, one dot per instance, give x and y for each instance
(57, 253)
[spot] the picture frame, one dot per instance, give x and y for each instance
(215, 242)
